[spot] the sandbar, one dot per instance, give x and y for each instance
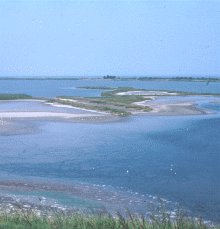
(173, 108)
(156, 93)
(43, 115)
(22, 120)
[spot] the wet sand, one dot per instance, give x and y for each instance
(18, 121)
(172, 108)
(21, 120)
(151, 93)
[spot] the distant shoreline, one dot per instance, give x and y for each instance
(177, 79)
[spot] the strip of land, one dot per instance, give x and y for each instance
(43, 115)
(114, 78)
(174, 108)
(122, 101)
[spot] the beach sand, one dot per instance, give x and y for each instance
(173, 108)
(155, 93)
(18, 122)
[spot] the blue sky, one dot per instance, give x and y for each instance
(98, 38)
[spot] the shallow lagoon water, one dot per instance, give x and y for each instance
(127, 163)
(133, 161)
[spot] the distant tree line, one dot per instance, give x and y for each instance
(179, 78)
(109, 77)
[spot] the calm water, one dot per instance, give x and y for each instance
(136, 159)
(53, 88)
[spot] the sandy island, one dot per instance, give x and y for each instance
(13, 121)
(173, 108)
(19, 121)
(159, 108)
(168, 108)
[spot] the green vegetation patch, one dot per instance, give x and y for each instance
(90, 107)
(110, 102)
(178, 93)
(14, 96)
(113, 103)
(29, 220)
(119, 100)
(120, 89)
(98, 87)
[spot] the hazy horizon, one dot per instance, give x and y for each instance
(117, 38)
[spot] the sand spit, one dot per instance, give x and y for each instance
(55, 116)
(22, 120)
(173, 108)
(155, 93)
(75, 108)
(60, 114)
(168, 108)
(43, 115)
(16, 123)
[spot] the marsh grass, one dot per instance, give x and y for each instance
(120, 89)
(14, 96)
(159, 219)
(178, 93)
(80, 104)
(111, 102)
(98, 87)
(119, 100)
(31, 220)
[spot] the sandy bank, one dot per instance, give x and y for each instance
(173, 108)
(146, 93)
(16, 119)
(43, 115)
(75, 108)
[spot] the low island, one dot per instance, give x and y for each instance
(113, 105)
(121, 101)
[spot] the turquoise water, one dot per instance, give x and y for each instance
(52, 199)
(129, 162)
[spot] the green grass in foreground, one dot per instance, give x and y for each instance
(30, 220)
(14, 96)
